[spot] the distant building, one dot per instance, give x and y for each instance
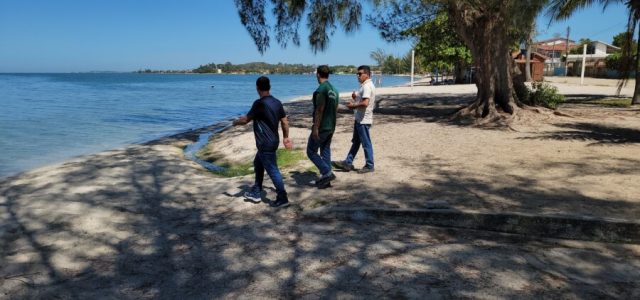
(595, 63)
(537, 62)
(554, 49)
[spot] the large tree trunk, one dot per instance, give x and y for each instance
(527, 63)
(487, 38)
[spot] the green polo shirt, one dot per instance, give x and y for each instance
(328, 96)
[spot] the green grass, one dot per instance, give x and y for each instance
(235, 170)
(286, 159)
(612, 102)
(289, 158)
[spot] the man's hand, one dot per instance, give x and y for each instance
(351, 105)
(288, 143)
(353, 95)
(314, 134)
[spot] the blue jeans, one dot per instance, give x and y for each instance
(322, 161)
(267, 160)
(361, 136)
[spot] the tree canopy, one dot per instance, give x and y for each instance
(323, 18)
(488, 28)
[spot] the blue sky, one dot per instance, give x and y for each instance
(127, 35)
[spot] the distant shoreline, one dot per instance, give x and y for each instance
(182, 136)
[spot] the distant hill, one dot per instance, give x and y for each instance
(255, 68)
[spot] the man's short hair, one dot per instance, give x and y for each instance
(323, 71)
(263, 84)
(366, 69)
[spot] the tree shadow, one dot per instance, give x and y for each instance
(588, 98)
(428, 108)
(141, 223)
(598, 134)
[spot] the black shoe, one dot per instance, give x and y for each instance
(365, 170)
(325, 179)
(343, 166)
(280, 203)
(324, 186)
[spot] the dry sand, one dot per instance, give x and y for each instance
(143, 222)
(586, 164)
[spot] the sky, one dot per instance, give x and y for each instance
(129, 35)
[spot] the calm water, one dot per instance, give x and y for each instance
(47, 118)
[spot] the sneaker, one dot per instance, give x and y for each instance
(255, 194)
(326, 179)
(365, 170)
(280, 203)
(343, 165)
(325, 185)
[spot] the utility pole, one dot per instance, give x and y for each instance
(584, 63)
(566, 60)
(413, 56)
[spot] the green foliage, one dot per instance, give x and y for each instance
(617, 60)
(620, 40)
(541, 94)
(379, 56)
(286, 159)
(438, 44)
(341, 69)
(256, 68)
(390, 64)
(322, 20)
(522, 92)
(590, 48)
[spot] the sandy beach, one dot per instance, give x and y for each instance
(144, 222)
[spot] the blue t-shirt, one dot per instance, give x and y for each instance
(266, 113)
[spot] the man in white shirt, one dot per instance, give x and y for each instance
(362, 106)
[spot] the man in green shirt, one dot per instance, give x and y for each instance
(325, 106)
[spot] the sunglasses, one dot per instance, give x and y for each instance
(359, 73)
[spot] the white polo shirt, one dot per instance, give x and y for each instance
(367, 90)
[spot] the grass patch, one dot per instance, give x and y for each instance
(235, 170)
(612, 102)
(286, 159)
(289, 158)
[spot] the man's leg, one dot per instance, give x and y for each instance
(325, 150)
(355, 145)
(318, 161)
(367, 146)
(270, 163)
(255, 193)
(258, 169)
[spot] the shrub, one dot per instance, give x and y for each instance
(540, 94)
(546, 95)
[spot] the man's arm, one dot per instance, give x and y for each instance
(284, 123)
(364, 103)
(242, 120)
(315, 130)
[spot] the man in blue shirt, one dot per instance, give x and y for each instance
(266, 113)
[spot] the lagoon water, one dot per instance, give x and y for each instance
(48, 118)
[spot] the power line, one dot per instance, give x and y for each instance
(607, 29)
